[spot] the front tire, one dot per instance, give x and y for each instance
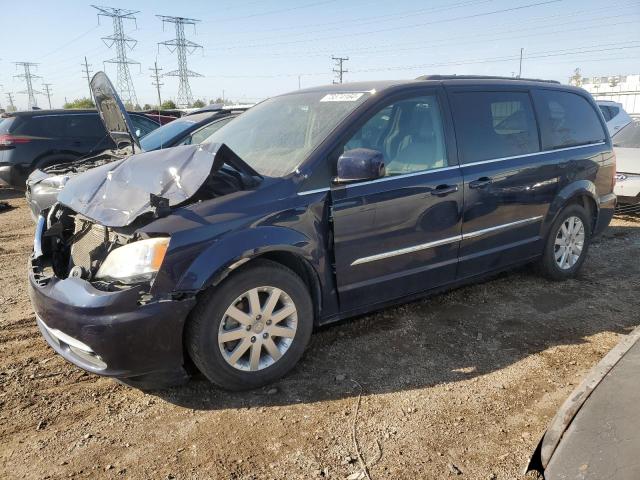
(252, 328)
(567, 244)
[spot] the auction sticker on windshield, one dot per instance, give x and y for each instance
(342, 97)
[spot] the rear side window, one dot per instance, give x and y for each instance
(46, 126)
(84, 126)
(492, 125)
(567, 120)
(8, 125)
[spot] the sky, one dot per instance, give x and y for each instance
(256, 49)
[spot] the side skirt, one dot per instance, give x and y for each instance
(424, 294)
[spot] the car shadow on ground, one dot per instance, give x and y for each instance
(470, 331)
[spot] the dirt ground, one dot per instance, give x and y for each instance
(458, 385)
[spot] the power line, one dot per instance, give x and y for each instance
(182, 46)
(156, 81)
(87, 75)
(534, 55)
(400, 27)
(47, 92)
(28, 77)
(339, 70)
(473, 39)
(122, 42)
(359, 21)
(272, 12)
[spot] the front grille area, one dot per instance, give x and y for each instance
(89, 244)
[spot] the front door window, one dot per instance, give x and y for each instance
(409, 133)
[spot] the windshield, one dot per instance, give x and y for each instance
(629, 136)
(160, 136)
(275, 136)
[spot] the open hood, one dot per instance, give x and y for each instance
(113, 113)
(117, 193)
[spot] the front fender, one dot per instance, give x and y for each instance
(213, 262)
(567, 195)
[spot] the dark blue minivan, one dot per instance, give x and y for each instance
(312, 207)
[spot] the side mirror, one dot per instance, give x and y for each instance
(360, 165)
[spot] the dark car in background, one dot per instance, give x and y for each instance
(309, 208)
(43, 185)
(37, 139)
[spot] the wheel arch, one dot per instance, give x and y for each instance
(583, 193)
(284, 246)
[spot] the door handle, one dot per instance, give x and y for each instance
(480, 183)
(443, 190)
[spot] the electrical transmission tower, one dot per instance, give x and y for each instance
(122, 42)
(12, 107)
(47, 92)
(183, 47)
(28, 77)
(156, 81)
(87, 75)
(339, 70)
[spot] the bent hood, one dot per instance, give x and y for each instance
(627, 160)
(115, 194)
(113, 113)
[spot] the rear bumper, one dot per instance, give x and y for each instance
(606, 208)
(628, 188)
(110, 333)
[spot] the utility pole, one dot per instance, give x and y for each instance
(122, 42)
(339, 71)
(47, 92)
(520, 69)
(156, 81)
(182, 46)
(87, 75)
(28, 77)
(12, 107)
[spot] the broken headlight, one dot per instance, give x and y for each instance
(135, 261)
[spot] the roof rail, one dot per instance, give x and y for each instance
(481, 77)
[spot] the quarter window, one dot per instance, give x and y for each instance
(606, 112)
(409, 134)
(567, 120)
(492, 125)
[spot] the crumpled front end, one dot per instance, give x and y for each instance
(107, 327)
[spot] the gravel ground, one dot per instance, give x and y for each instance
(458, 385)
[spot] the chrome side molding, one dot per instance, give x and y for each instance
(445, 241)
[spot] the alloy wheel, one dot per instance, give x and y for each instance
(569, 243)
(258, 328)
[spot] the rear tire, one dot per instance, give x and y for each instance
(567, 244)
(252, 328)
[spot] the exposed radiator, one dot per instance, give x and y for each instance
(90, 245)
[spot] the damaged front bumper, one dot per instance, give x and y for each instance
(110, 333)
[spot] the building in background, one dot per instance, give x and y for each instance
(624, 89)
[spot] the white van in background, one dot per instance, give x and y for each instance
(614, 115)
